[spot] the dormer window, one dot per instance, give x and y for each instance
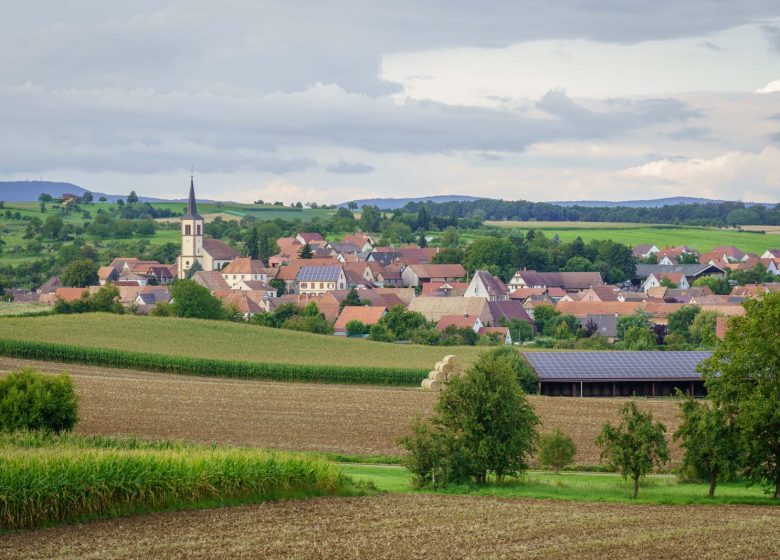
(187, 229)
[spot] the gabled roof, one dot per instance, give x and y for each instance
(50, 286)
(219, 250)
(565, 280)
(70, 294)
(452, 289)
(211, 280)
(245, 265)
(494, 286)
(318, 273)
(438, 270)
(457, 321)
(689, 270)
(310, 237)
(434, 308)
(366, 315)
(509, 310)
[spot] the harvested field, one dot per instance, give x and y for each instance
(348, 419)
(419, 526)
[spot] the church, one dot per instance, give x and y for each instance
(197, 252)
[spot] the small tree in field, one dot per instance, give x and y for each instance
(556, 450)
(482, 424)
(33, 401)
(636, 445)
(710, 440)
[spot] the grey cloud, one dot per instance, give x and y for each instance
(709, 45)
(691, 133)
(347, 168)
(772, 33)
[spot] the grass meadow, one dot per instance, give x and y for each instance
(702, 239)
(222, 340)
(575, 486)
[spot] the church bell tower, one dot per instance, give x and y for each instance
(191, 235)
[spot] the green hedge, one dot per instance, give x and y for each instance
(108, 357)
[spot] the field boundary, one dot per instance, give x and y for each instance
(209, 367)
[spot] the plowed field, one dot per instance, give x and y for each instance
(419, 526)
(297, 416)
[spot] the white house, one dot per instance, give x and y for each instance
(488, 286)
(319, 279)
(244, 269)
(654, 280)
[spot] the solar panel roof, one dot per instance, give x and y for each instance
(615, 366)
(318, 273)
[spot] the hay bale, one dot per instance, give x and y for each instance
(431, 385)
(447, 368)
(441, 377)
(438, 365)
(436, 386)
(450, 359)
(432, 374)
(453, 374)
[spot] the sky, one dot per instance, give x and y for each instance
(332, 101)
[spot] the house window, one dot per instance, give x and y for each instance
(303, 285)
(188, 230)
(330, 285)
(321, 284)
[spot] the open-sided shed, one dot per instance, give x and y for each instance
(617, 373)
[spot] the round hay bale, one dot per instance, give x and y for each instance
(435, 385)
(438, 365)
(447, 368)
(453, 374)
(441, 377)
(450, 359)
(432, 374)
(426, 384)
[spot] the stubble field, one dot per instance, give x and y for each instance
(419, 526)
(350, 419)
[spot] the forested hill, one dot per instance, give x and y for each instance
(710, 214)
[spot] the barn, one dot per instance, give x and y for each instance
(617, 373)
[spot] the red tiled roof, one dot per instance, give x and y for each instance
(366, 315)
(458, 321)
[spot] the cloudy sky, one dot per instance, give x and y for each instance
(330, 101)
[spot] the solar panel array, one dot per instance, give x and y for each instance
(318, 273)
(615, 366)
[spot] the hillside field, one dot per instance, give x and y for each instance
(419, 526)
(702, 239)
(348, 419)
(223, 340)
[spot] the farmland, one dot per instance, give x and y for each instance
(221, 340)
(702, 239)
(347, 419)
(419, 526)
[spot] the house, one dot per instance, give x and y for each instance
(692, 272)
(364, 243)
(244, 268)
(644, 250)
(672, 255)
(434, 308)
(149, 296)
(319, 279)
(405, 255)
(243, 302)
(723, 255)
(504, 312)
(484, 284)
(464, 321)
(366, 315)
(600, 293)
(678, 279)
(211, 280)
(502, 333)
(771, 254)
(567, 281)
(50, 286)
(531, 303)
(418, 274)
(604, 325)
(70, 294)
(388, 276)
(288, 272)
(312, 239)
(444, 289)
(755, 290)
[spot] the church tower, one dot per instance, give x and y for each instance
(191, 235)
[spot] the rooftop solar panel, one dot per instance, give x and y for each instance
(613, 366)
(318, 273)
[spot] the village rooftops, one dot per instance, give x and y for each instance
(219, 250)
(245, 265)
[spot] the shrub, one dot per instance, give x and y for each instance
(556, 450)
(33, 401)
(355, 328)
(526, 376)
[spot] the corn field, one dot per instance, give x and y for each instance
(210, 367)
(69, 480)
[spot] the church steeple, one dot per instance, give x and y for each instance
(192, 205)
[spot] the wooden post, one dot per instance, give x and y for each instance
(614, 391)
(652, 388)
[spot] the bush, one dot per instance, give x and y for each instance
(33, 401)
(556, 450)
(356, 328)
(526, 376)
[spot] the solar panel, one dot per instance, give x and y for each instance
(612, 366)
(318, 273)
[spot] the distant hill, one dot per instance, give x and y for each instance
(393, 203)
(29, 191)
(651, 203)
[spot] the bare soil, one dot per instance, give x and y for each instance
(418, 526)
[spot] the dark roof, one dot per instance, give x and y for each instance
(511, 309)
(689, 270)
(318, 273)
(606, 324)
(192, 205)
(494, 286)
(616, 366)
(219, 250)
(385, 258)
(565, 280)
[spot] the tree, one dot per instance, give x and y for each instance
(370, 218)
(639, 319)
(423, 221)
(352, 205)
(355, 328)
(450, 238)
(743, 375)
(401, 322)
(279, 285)
(544, 317)
(87, 197)
(190, 299)
(102, 199)
(492, 253)
(526, 376)
(448, 256)
(639, 338)
(636, 445)
(482, 424)
(132, 198)
(710, 440)
(30, 400)
(45, 197)
(305, 252)
(520, 330)
(352, 299)
(252, 243)
(681, 320)
(80, 273)
(53, 227)
(667, 282)
(556, 450)
(703, 329)
(422, 241)
(718, 286)
(578, 264)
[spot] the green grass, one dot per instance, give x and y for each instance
(590, 487)
(10, 309)
(222, 340)
(46, 482)
(702, 239)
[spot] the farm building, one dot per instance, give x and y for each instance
(617, 374)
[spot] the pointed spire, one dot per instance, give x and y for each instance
(192, 205)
